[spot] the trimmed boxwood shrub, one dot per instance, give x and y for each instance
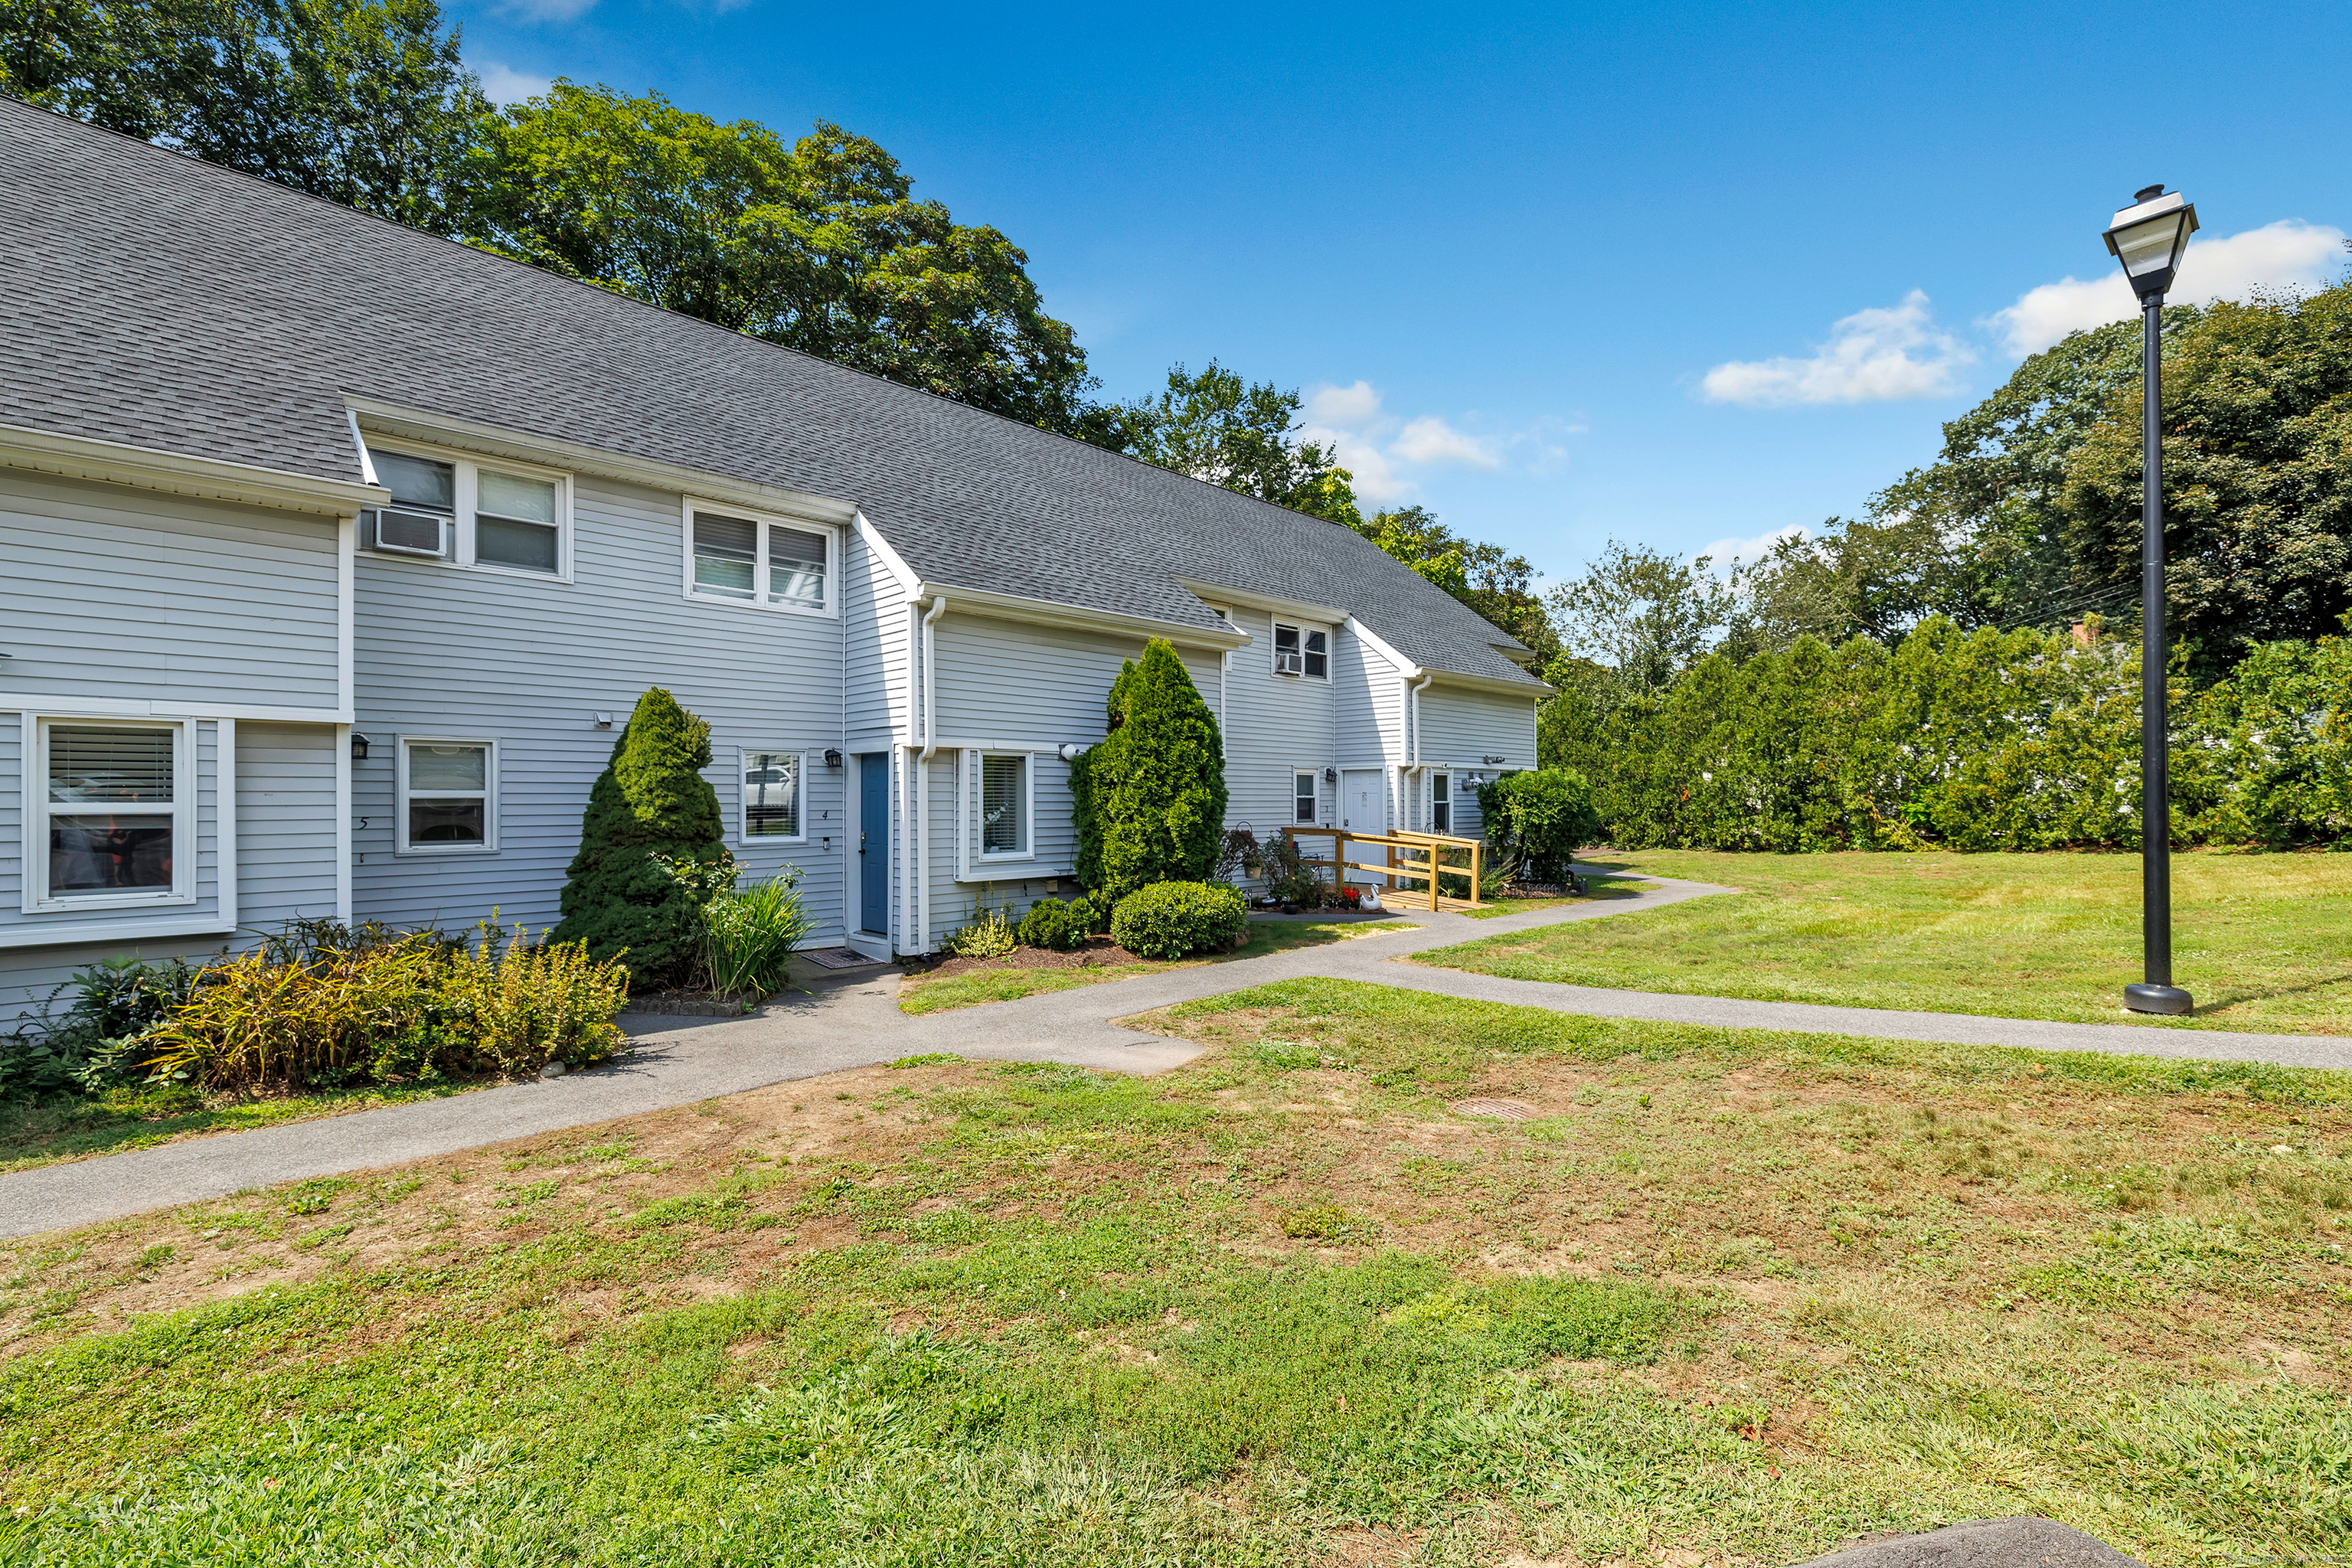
(1148, 801)
(1168, 919)
(1536, 821)
(1051, 923)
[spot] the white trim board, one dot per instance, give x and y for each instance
(175, 473)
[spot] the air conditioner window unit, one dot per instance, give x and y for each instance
(1288, 663)
(410, 532)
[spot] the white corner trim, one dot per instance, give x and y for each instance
(176, 473)
(520, 446)
(224, 871)
(344, 873)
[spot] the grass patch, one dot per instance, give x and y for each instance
(2260, 941)
(1732, 1292)
(59, 1127)
(1008, 983)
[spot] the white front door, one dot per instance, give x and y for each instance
(1363, 808)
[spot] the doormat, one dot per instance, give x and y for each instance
(840, 957)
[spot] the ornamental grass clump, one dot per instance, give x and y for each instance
(1168, 919)
(748, 934)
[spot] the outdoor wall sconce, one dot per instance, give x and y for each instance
(1070, 751)
(359, 747)
(832, 757)
(1330, 775)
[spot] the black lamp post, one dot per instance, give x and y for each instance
(2148, 238)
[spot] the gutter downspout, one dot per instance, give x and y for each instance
(922, 926)
(1413, 725)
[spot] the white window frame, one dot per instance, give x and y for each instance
(469, 484)
(1028, 849)
(39, 809)
(1447, 776)
(763, 521)
(743, 834)
(1315, 783)
(490, 844)
(1273, 654)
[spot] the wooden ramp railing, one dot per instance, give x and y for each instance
(1429, 857)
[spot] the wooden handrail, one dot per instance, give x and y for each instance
(1424, 847)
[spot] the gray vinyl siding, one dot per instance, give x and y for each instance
(119, 593)
(528, 662)
(1278, 723)
(879, 715)
(285, 824)
(1460, 728)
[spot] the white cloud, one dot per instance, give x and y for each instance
(1383, 451)
(1726, 553)
(546, 10)
(504, 84)
(1872, 356)
(2289, 254)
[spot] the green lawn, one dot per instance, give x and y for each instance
(2263, 941)
(1725, 1297)
(1000, 982)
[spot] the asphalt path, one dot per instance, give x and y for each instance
(853, 1020)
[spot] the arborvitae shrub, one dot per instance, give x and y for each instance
(1150, 800)
(650, 801)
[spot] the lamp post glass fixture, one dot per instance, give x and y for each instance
(2148, 238)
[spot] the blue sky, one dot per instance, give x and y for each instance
(1680, 276)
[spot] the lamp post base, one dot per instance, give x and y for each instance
(2166, 999)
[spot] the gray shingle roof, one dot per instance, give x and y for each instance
(159, 302)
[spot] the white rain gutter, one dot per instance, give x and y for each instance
(921, 924)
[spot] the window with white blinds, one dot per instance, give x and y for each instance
(1004, 804)
(749, 562)
(112, 809)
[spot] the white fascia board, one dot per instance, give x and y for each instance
(1532, 690)
(909, 584)
(1300, 608)
(140, 708)
(575, 456)
(1045, 612)
(176, 473)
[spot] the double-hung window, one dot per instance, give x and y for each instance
(1441, 803)
(468, 514)
(448, 797)
(771, 795)
(748, 561)
(1302, 796)
(1302, 650)
(114, 802)
(1004, 805)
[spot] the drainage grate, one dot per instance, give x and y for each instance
(840, 957)
(1498, 1109)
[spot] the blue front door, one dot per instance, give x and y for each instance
(874, 841)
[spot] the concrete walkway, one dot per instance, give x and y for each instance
(853, 1021)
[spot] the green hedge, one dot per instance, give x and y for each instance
(1984, 741)
(1053, 924)
(1168, 919)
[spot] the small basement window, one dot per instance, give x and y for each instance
(448, 797)
(774, 565)
(1302, 651)
(771, 794)
(1302, 795)
(1004, 805)
(115, 812)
